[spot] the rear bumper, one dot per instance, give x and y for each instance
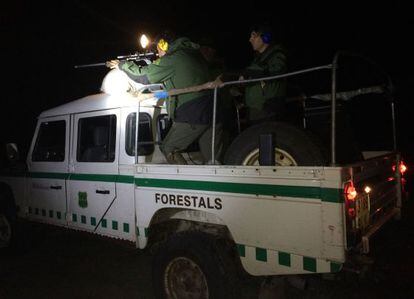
(364, 246)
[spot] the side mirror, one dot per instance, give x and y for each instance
(12, 152)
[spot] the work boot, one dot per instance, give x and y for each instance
(176, 158)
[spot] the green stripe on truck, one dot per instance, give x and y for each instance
(325, 194)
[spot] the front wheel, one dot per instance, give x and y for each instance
(192, 265)
(5, 231)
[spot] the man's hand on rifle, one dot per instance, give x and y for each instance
(112, 64)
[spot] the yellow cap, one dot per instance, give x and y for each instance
(163, 45)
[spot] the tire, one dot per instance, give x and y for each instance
(192, 265)
(294, 147)
(6, 231)
(7, 218)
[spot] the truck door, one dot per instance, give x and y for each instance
(48, 170)
(94, 170)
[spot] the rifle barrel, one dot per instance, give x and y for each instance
(135, 57)
(89, 65)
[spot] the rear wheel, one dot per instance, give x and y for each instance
(293, 146)
(192, 265)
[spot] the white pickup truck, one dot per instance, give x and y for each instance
(204, 222)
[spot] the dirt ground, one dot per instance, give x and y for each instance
(59, 263)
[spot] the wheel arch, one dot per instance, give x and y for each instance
(7, 200)
(168, 221)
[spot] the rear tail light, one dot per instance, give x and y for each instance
(350, 195)
(350, 191)
(351, 213)
(403, 168)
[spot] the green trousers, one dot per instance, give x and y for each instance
(181, 135)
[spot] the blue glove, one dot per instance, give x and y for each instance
(161, 94)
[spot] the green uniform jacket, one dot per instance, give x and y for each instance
(182, 66)
(271, 62)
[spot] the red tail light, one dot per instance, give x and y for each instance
(350, 191)
(403, 168)
(350, 194)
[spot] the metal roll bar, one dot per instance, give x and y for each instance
(333, 96)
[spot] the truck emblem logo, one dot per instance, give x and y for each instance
(83, 199)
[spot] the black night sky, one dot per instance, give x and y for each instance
(41, 42)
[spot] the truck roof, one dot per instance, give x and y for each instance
(96, 102)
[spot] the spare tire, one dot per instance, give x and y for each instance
(293, 146)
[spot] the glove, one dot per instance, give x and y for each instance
(161, 94)
(112, 64)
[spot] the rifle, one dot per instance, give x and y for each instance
(132, 57)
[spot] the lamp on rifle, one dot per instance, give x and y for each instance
(144, 41)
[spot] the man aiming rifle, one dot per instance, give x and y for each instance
(181, 67)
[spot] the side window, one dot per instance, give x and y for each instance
(50, 142)
(145, 140)
(96, 139)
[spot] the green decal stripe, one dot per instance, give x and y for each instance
(332, 195)
(127, 179)
(284, 258)
(241, 249)
(83, 218)
(48, 175)
(309, 264)
(45, 213)
(261, 254)
(94, 177)
(326, 194)
(335, 267)
(114, 225)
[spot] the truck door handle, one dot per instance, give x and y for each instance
(102, 191)
(56, 187)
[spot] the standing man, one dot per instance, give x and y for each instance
(265, 100)
(180, 65)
